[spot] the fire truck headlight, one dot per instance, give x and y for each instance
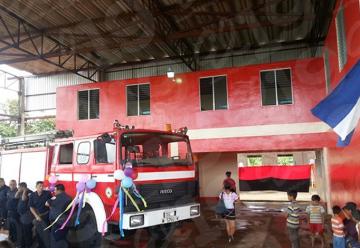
(137, 220)
(194, 210)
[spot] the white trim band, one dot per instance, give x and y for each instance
(259, 130)
(165, 175)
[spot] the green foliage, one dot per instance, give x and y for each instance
(285, 160)
(253, 160)
(12, 107)
(8, 129)
(39, 126)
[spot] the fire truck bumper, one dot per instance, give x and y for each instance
(135, 220)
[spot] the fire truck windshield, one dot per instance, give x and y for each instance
(155, 149)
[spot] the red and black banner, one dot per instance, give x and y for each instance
(277, 177)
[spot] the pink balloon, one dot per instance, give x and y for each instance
(52, 179)
(80, 186)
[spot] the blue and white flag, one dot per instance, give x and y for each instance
(341, 108)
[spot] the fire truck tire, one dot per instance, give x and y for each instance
(86, 233)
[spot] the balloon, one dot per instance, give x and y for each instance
(52, 188)
(119, 174)
(52, 179)
(128, 172)
(83, 178)
(80, 186)
(127, 182)
(90, 184)
(134, 175)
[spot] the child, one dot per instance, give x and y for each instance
(292, 221)
(337, 228)
(316, 219)
(229, 199)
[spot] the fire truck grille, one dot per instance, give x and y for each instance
(165, 194)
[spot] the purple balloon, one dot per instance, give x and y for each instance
(128, 172)
(52, 188)
(80, 186)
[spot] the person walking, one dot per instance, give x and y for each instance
(57, 205)
(292, 220)
(229, 215)
(316, 218)
(228, 180)
(40, 212)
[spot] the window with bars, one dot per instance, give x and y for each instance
(276, 87)
(254, 160)
(213, 93)
(88, 104)
(138, 99)
(285, 159)
(341, 38)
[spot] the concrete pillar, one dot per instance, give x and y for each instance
(21, 120)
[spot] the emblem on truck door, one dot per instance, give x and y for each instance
(166, 191)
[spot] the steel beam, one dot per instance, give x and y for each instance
(25, 33)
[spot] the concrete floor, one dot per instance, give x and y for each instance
(259, 225)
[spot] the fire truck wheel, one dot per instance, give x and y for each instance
(86, 233)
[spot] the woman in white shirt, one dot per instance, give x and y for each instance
(229, 199)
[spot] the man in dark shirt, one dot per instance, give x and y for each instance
(37, 202)
(26, 216)
(229, 181)
(3, 192)
(57, 205)
(12, 215)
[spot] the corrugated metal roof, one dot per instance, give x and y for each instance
(110, 32)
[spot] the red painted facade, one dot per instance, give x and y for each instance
(344, 163)
(179, 104)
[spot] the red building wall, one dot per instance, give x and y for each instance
(344, 163)
(179, 104)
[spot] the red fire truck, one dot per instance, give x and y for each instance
(161, 160)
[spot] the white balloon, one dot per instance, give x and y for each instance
(119, 175)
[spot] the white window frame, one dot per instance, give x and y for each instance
(138, 99)
(276, 94)
(88, 114)
(77, 152)
(213, 92)
(341, 37)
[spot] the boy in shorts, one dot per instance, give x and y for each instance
(316, 219)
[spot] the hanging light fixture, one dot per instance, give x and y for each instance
(170, 73)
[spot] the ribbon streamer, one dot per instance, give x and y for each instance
(108, 218)
(137, 194)
(80, 206)
(121, 206)
(131, 199)
(57, 218)
(71, 212)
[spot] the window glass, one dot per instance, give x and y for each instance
(220, 92)
(66, 154)
(83, 153)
